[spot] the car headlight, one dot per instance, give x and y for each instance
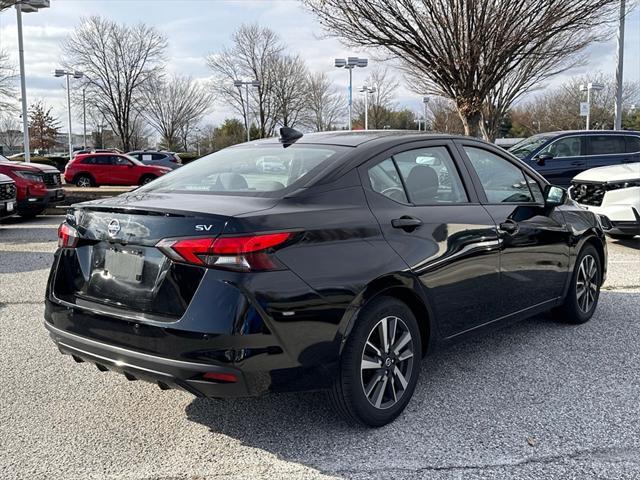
(32, 177)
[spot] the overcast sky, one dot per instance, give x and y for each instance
(196, 28)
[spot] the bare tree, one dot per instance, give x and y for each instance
(464, 49)
(559, 108)
(289, 89)
(10, 131)
(118, 60)
(173, 104)
(7, 82)
(444, 116)
(381, 101)
(252, 56)
(326, 106)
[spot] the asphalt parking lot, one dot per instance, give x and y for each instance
(535, 400)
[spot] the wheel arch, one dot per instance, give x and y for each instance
(86, 174)
(408, 290)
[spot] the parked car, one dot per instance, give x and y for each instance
(38, 185)
(341, 277)
(164, 159)
(560, 156)
(95, 150)
(95, 169)
(613, 193)
(7, 196)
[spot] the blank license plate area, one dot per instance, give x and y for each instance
(125, 266)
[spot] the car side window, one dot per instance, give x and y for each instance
(535, 188)
(501, 180)
(158, 156)
(147, 157)
(430, 176)
(564, 147)
(121, 161)
(89, 161)
(633, 144)
(385, 179)
(606, 144)
(103, 160)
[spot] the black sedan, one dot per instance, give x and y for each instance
(341, 273)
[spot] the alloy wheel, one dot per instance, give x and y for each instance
(387, 362)
(587, 283)
(84, 182)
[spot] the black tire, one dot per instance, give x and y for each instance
(574, 310)
(83, 181)
(147, 178)
(348, 391)
(621, 236)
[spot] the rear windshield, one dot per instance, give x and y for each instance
(252, 170)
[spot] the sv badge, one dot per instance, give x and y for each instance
(203, 228)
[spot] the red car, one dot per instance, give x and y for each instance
(95, 169)
(37, 185)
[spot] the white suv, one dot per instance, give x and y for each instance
(614, 194)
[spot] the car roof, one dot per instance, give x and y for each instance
(591, 132)
(356, 138)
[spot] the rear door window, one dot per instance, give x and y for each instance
(89, 161)
(633, 144)
(431, 176)
(606, 144)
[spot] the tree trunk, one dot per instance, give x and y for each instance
(471, 122)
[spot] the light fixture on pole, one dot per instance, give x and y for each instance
(76, 75)
(425, 103)
(589, 87)
(24, 6)
(350, 63)
(239, 84)
(367, 91)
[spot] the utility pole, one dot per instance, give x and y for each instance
(617, 124)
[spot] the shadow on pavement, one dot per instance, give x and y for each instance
(450, 397)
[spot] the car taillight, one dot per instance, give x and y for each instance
(67, 236)
(246, 253)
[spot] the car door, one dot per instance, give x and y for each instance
(535, 239)
(431, 217)
(604, 150)
(562, 160)
(123, 171)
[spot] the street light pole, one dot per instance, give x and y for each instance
(23, 87)
(84, 118)
(425, 102)
(69, 113)
(76, 75)
(617, 124)
(239, 84)
(367, 91)
(350, 63)
(589, 87)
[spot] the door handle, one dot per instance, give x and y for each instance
(509, 227)
(406, 223)
(577, 164)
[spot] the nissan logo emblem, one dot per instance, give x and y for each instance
(113, 228)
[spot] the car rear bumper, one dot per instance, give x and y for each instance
(167, 373)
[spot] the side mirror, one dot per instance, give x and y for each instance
(542, 158)
(554, 196)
